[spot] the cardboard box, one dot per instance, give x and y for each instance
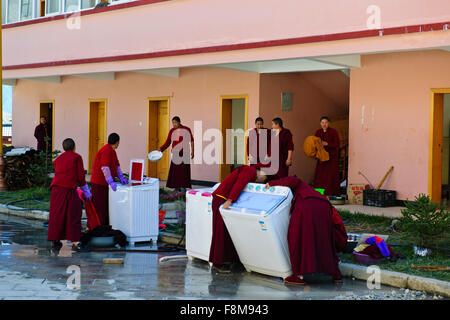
(355, 193)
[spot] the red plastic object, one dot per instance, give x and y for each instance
(206, 194)
(136, 172)
(162, 214)
(92, 216)
(365, 259)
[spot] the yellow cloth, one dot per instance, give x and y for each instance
(361, 247)
(313, 148)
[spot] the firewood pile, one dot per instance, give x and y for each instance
(18, 169)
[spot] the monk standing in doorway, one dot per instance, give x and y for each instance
(40, 133)
(285, 147)
(65, 207)
(106, 167)
(180, 164)
(327, 172)
(258, 143)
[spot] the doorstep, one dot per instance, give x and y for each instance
(398, 279)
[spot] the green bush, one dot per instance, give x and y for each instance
(42, 167)
(424, 222)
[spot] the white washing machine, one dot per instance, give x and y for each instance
(134, 210)
(258, 224)
(199, 222)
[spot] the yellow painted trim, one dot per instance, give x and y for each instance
(53, 119)
(228, 97)
(166, 98)
(89, 170)
(431, 159)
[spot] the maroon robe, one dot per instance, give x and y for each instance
(40, 132)
(285, 145)
(179, 173)
(327, 172)
(65, 206)
(100, 200)
(255, 142)
(222, 248)
(311, 231)
(105, 157)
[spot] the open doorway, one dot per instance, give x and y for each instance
(47, 110)
(97, 128)
(158, 129)
(233, 115)
(439, 168)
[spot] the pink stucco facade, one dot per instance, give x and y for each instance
(193, 96)
(390, 118)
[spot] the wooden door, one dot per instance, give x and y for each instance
(152, 169)
(163, 130)
(226, 122)
(46, 109)
(436, 146)
(97, 129)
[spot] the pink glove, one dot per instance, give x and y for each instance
(109, 179)
(87, 194)
(121, 177)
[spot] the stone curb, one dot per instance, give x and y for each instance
(29, 214)
(398, 279)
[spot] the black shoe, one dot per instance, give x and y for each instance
(224, 268)
(80, 248)
(56, 245)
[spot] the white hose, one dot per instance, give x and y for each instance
(166, 258)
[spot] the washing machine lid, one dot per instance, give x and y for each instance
(257, 203)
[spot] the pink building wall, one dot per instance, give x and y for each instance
(390, 118)
(309, 104)
(195, 95)
(178, 25)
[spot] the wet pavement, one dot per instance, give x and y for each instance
(29, 269)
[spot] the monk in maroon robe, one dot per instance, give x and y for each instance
(285, 147)
(310, 236)
(105, 168)
(65, 206)
(40, 133)
(223, 253)
(327, 172)
(180, 165)
(258, 143)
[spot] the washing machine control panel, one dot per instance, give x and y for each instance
(261, 188)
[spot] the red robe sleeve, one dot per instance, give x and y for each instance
(80, 172)
(246, 175)
(36, 133)
(340, 233)
(168, 141)
(292, 182)
(289, 141)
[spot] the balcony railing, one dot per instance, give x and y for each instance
(23, 10)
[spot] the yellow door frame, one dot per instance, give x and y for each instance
(231, 97)
(166, 98)
(53, 119)
(89, 170)
(436, 144)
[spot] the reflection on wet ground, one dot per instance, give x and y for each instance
(29, 269)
